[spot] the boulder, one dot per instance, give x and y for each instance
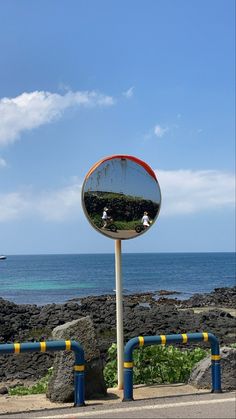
(61, 384)
(201, 374)
(3, 390)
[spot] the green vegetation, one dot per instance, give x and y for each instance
(39, 388)
(121, 225)
(232, 345)
(156, 364)
(123, 208)
(113, 195)
(127, 225)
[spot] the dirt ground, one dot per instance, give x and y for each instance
(17, 404)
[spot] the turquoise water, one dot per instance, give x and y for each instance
(42, 279)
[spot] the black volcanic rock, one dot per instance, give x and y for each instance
(143, 315)
(222, 297)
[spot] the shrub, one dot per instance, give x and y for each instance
(156, 364)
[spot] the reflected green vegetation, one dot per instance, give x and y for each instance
(126, 211)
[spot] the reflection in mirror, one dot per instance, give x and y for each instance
(121, 197)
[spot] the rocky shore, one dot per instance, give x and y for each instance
(144, 314)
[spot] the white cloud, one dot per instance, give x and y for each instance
(160, 131)
(61, 204)
(57, 205)
(64, 87)
(13, 205)
(183, 192)
(129, 93)
(3, 163)
(30, 110)
(187, 191)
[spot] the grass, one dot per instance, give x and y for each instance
(39, 388)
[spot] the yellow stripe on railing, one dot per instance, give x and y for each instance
(185, 338)
(42, 346)
(68, 345)
(215, 357)
(17, 348)
(128, 364)
(205, 336)
(163, 339)
(141, 340)
(79, 367)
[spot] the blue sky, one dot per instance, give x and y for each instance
(81, 80)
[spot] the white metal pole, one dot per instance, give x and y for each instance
(119, 316)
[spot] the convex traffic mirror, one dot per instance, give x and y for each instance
(121, 197)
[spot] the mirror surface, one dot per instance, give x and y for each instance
(121, 197)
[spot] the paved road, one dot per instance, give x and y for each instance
(219, 406)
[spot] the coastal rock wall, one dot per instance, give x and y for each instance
(143, 315)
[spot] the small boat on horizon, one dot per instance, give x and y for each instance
(2, 257)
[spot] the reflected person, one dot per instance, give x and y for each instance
(104, 217)
(146, 220)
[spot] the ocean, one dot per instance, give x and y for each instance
(43, 279)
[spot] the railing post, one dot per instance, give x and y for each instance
(78, 374)
(128, 368)
(79, 388)
(215, 364)
(128, 382)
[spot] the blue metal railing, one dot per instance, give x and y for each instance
(166, 339)
(55, 345)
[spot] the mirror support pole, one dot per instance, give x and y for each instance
(119, 316)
